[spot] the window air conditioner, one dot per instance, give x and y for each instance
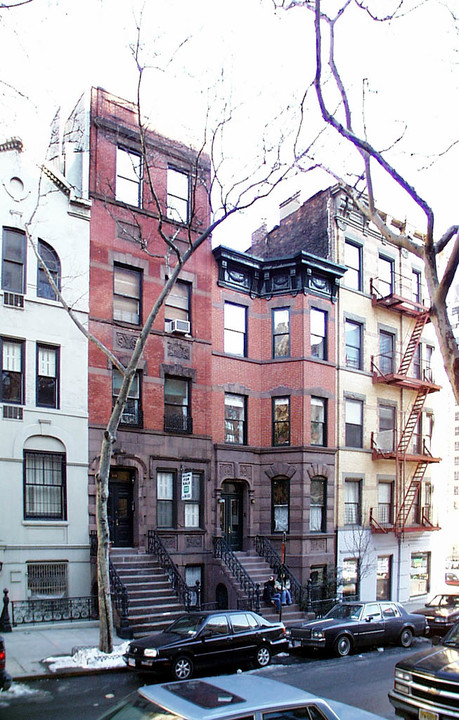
(181, 327)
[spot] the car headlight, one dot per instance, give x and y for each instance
(318, 634)
(441, 619)
(150, 652)
(402, 675)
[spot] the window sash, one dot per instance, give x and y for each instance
(318, 320)
(177, 304)
(353, 332)
(235, 412)
(353, 261)
(12, 388)
(128, 177)
(281, 421)
(318, 421)
(52, 262)
(44, 485)
(281, 332)
(13, 260)
(352, 499)
(126, 295)
(47, 376)
(178, 188)
(235, 329)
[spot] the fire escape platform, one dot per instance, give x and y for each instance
(377, 529)
(393, 455)
(400, 304)
(403, 381)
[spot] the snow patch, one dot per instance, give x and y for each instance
(89, 658)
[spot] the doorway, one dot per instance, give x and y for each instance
(231, 514)
(120, 508)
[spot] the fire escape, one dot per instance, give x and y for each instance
(408, 450)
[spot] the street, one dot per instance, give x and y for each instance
(362, 680)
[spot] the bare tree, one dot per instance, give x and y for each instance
(439, 252)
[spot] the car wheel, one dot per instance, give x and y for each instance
(343, 646)
(406, 637)
(263, 656)
(182, 668)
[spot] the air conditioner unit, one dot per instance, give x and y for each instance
(181, 327)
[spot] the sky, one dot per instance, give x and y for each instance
(209, 57)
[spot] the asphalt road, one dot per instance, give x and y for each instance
(362, 680)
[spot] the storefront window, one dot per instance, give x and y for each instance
(383, 587)
(420, 573)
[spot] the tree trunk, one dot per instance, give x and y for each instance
(103, 547)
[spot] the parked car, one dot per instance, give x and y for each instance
(5, 679)
(353, 625)
(442, 611)
(200, 638)
(229, 697)
(452, 578)
(426, 684)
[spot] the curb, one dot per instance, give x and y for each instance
(63, 673)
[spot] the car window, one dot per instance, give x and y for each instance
(372, 610)
(240, 622)
(217, 625)
(186, 625)
(345, 611)
(252, 621)
(389, 610)
(306, 712)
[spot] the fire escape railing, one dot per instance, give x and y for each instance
(251, 590)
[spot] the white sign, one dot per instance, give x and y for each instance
(187, 479)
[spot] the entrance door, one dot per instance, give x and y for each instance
(120, 514)
(231, 514)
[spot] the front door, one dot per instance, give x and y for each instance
(120, 509)
(231, 514)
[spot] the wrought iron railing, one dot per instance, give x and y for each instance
(178, 423)
(118, 592)
(250, 589)
(266, 549)
(42, 610)
(156, 547)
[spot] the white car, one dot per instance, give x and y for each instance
(231, 697)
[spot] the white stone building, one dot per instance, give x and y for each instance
(43, 393)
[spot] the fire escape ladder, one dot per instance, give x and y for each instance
(410, 496)
(413, 343)
(410, 425)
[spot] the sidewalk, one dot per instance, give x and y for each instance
(70, 648)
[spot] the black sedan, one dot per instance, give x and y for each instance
(354, 625)
(204, 638)
(442, 611)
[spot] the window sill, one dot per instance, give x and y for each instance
(44, 523)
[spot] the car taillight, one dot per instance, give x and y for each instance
(2, 659)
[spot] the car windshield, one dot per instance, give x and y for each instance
(452, 638)
(345, 611)
(443, 601)
(186, 626)
(137, 708)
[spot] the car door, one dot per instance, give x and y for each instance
(370, 629)
(393, 621)
(214, 640)
(244, 642)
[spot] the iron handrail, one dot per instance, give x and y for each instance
(118, 590)
(155, 546)
(251, 590)
(266, 549)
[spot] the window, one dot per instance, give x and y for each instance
(13, 260)
(386, 276)
(47, 384)
(127, 291)
(193, 575)
(177, 304)
(385, 503)
(354, 423)
(353, 333)
(178, 189)
(177, 417)
(417, 370)
(416, 286)
(319, 334)
(235, 332)
(44, 486)
(281, 420)
(132, 412)
(428, 356)
(12, 371)
(281, 332)
(280, 504)
(352, 502)
(128, 177)
(52, 262)
(191, 495)
(235, 419)
(165, 500)
(318, 421)
(318, 505)
(351, 578)
(386, 352)
(353, 261)
(386, 435)
(47, 580)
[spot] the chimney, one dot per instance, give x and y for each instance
(289, 206)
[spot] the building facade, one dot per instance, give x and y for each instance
(44, 417)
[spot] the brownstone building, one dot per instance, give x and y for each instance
(229, 430)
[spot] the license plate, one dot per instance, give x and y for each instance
(428, 715)
(131, 662)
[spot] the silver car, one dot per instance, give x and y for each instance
(231, 697)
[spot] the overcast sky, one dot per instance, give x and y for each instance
(243, 53)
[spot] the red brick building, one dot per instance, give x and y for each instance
(229, 427)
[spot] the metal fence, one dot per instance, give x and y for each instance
(72, 609)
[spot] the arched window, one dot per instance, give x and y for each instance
(52, 262)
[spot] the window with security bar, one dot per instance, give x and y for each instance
(47, 579)
(44, 486)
